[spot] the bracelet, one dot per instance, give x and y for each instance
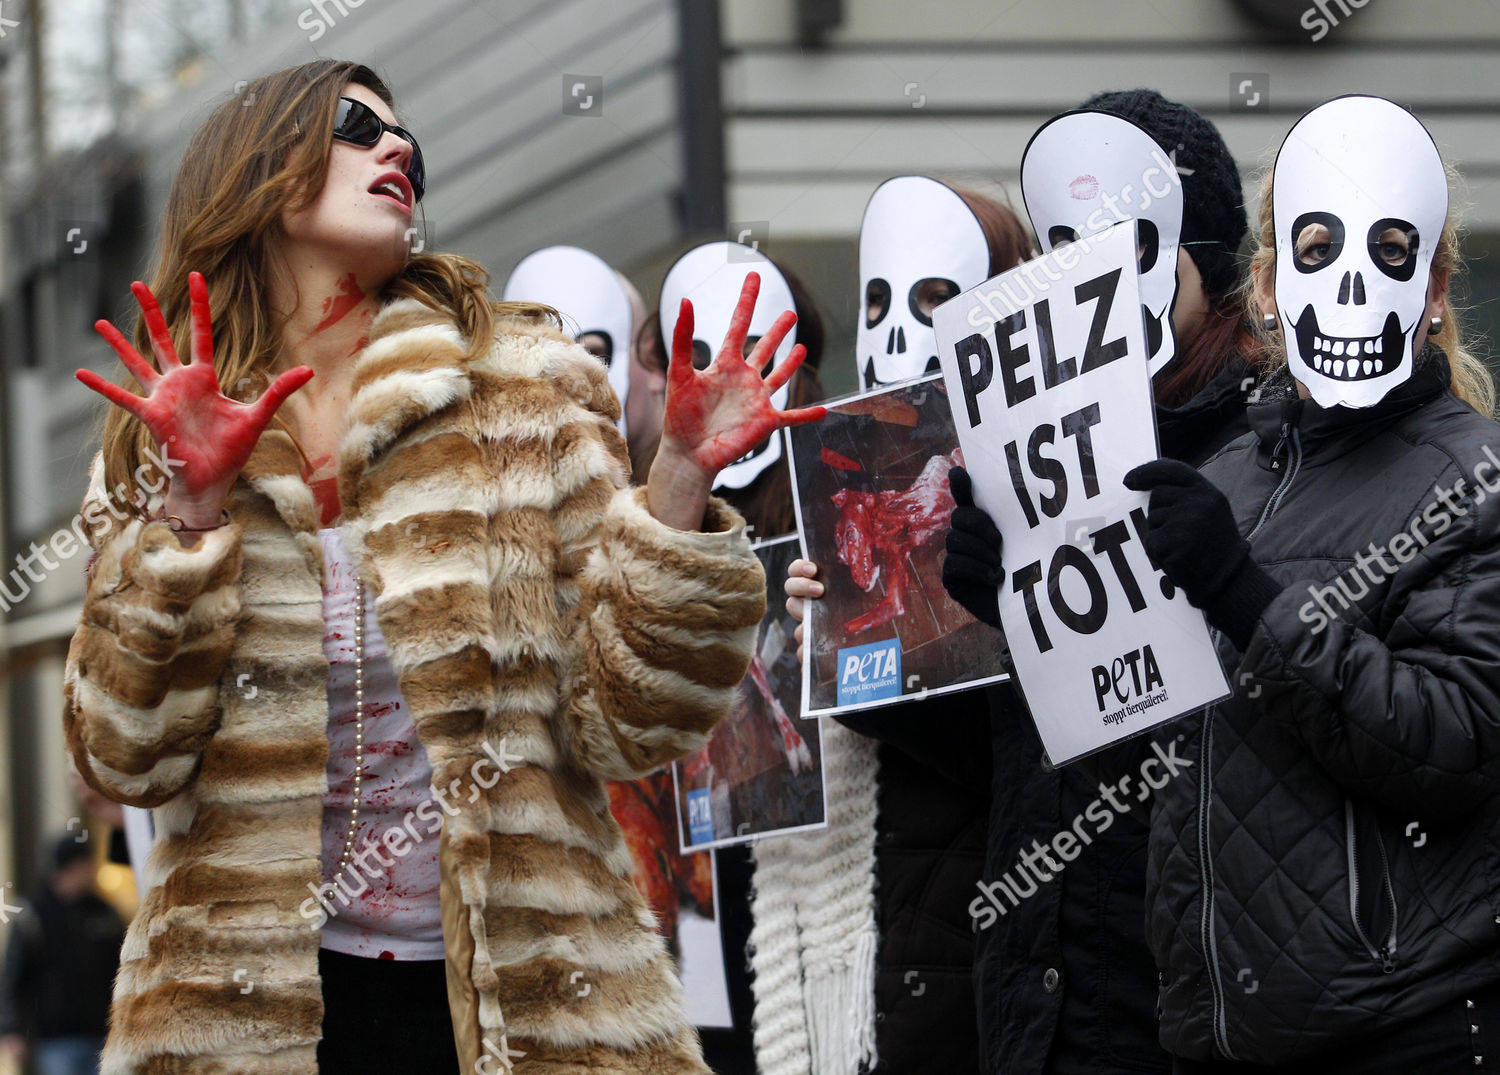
(177, 525)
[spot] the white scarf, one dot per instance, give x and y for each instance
(814, 939)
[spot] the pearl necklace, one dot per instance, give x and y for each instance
(359, 728)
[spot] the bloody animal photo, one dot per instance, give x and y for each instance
(762, 771)
(873, 504)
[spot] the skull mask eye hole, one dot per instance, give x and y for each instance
(1061, 235)
(927, 295)
(598, 343)
(1317, 239)
(702, 355)
(750, 342)
(1393, 247)
(1148, 243)
(877, 301)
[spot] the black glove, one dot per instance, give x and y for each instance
(971, 571)
(1191, 535)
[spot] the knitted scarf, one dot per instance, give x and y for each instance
(814, 939)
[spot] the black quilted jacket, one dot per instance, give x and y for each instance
(1329, 865)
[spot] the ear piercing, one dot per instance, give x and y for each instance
(1269, 320)
(1435, 326)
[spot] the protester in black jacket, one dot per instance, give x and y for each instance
(1322, 887)
(1334, 843)
(1063, 980)
(932, 795)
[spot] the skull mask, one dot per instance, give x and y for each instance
(706, 276)
(1085, 171)
(1359, 204)
(592, 300)
(919, 245)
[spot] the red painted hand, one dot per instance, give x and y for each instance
(716, 415)
(193, 422)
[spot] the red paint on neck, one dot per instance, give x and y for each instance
(337, 307)
(325, 490)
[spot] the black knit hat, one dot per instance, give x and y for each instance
(1213, 203)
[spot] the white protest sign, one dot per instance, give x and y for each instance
(1046, 367)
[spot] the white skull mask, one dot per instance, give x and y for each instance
(1085, 171)
(1359, 205)
(919, 244)
(707, 277)
(594, 303)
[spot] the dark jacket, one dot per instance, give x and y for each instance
(1063, 979)
(932, 803)
(60, 963)
(1328, 867)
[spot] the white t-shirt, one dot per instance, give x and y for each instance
(386, 906)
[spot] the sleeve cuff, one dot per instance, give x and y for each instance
(1239, 606)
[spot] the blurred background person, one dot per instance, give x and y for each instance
(60, 962)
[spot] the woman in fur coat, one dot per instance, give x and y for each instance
(389, 621)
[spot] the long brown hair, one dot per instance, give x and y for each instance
(261, 154)
(1225, 335)
(1008, 239)
(1471, 380)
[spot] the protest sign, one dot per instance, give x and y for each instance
(873, 505)
(1046, 367)
(761, 774)
(681, 890)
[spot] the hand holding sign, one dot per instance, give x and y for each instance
(972, 573)
(1194, 539)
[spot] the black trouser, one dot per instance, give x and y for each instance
(384, 1015)
(1462, 1035)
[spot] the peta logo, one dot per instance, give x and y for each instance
(700, 811)
(1127, 679)
(870, 672)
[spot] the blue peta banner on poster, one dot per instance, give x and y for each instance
(700, 817)
(870, 672)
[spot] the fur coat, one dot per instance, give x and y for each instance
(532, 607)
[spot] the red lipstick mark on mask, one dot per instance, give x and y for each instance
(336, 307)
(1084, 188)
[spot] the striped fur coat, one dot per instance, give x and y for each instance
(530, 603)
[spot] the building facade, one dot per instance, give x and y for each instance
(630, 127)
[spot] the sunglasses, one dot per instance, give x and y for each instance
(357, 124)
